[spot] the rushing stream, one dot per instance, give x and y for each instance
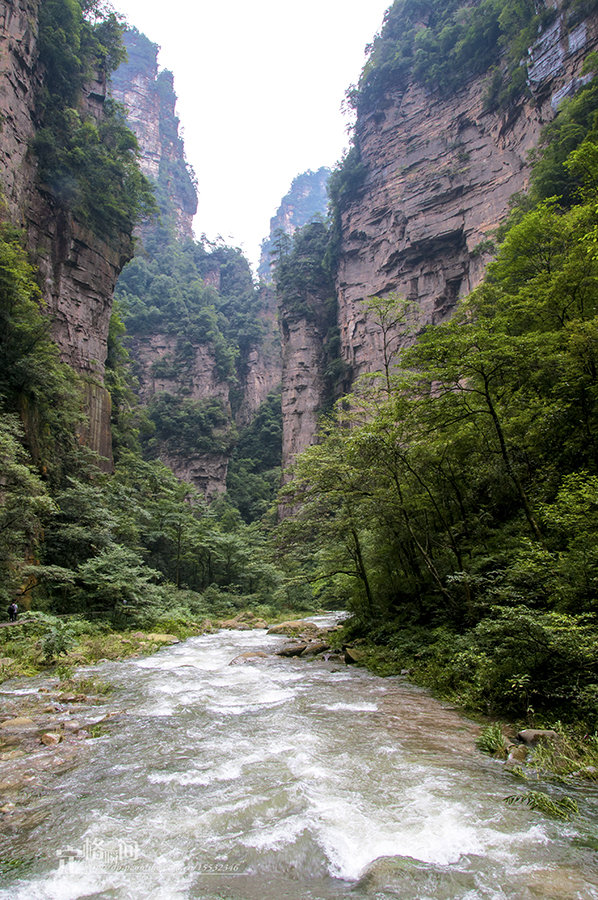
(284, 778)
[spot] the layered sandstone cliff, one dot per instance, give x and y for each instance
(438, 174)
(78, 270)
(159, 372)
(149, 100)
(306, 199)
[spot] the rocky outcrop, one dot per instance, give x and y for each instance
(205, 471)
(78, 270)
(261, 371)
(159, 369)
(304, 384)
(307, 198)
(439, 173)
(149, 100)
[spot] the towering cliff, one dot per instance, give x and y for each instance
(438, 153)
(438, 173)
(79, 262)
(203, 340)
(306, 199)
(149, 99)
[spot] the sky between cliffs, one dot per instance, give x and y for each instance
(260, 85)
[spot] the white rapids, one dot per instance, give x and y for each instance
(295, 779)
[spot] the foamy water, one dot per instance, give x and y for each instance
(286, 778)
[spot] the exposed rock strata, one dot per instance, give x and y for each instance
(303, 386)
(262, 371)
(149, 99)
(306, 199)
(78, 270)
(197, 379)
(439, 175)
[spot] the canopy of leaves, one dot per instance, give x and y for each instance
(254, 469)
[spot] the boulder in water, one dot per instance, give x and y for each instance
(292, 650)
(296, 628)
(51, 738)
(517, 754)
(248, 657)
(315, 647)
(354, 655)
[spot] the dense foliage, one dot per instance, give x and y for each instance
(442, 44)
(204, 296)
(87, 161)
(133, 547)
(254, 470)
(454, 502)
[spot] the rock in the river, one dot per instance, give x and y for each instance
(315, 647)
(517, 754)
(533, 736)
(295, 628)
(292, 650)
(163, 638)
(21, 723)
(354, 655)
(248, 657)
(50, 738)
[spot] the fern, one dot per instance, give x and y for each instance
(491, 740)
(563, 809)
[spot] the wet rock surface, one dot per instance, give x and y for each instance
(43, 734)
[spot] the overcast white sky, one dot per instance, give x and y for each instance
(260, 84)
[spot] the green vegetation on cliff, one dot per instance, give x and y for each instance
(87, 162)
(306, 201)
(454, 502)
(442, 44)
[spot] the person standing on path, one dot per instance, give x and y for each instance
(13, 611)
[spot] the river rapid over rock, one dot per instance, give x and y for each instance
(289, 778)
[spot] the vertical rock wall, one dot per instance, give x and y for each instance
(439, 176)
(303, 387)
(149, 99)
(78, 270)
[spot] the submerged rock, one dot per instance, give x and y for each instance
(21, 723)
(248, 657)
(533, 736)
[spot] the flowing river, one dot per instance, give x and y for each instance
(285, 778)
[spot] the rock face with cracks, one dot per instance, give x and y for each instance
(438, 176)
(78, 269)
